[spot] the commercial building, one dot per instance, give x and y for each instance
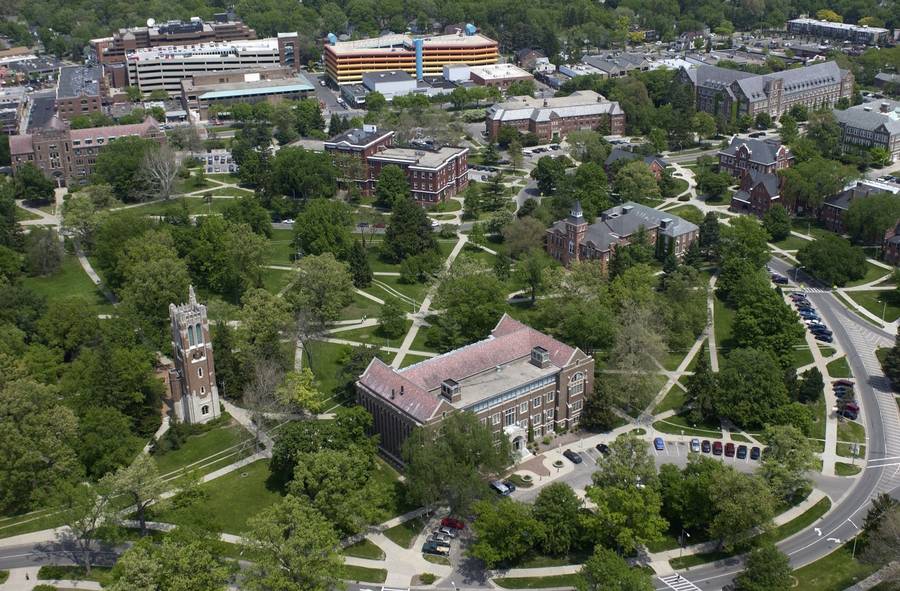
(78, 91)
(67, 156)
(499, 75)
(515, 380)
(573, 239)
(730, 93)
(528, 58)
(757, 193)
(834, 208)
(860, 34)
(245, 86)
(871, 125)
(224, 27)
(742, 155)
(164, 68)
(434, 175)
(390, 83)
(617, 65)
(347, 61)
(12, 107)
(557, 116)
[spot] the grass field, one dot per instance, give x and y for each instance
(70, 280)
(363, 574)
(850, 432)
(416, 291)
(385, 474)
(835, 572)
(674, 400)
(198, 447)
(675, 425)
(326, 365)
(877, 304)
(229, 501)
(274, 280)
(845, 469)
(101, 574)
(194, 206)
(412, 359)
(791, 243)
(359, 307)
(839, 368)
(405, 534)
(23, 215)
(280, 248)
(372, 335)
(35, 521)
(364, 549)
(724, 325)
(538, 582)
(873, 272)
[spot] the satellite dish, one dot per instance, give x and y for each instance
(151, 21)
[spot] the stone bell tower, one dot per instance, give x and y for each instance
(195, 397)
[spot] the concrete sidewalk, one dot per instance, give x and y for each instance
(25, 579)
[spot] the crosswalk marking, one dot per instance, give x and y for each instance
(678, 583)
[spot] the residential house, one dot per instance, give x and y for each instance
(758, 192)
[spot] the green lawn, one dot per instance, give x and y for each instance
(274, 280)
(35, 521)
(23, 215)
(4, 575)
(809, 227)
(538, 582)
(225, 177)
(723, 317)
(826, 350)
(101, 574)
(364, 549)
(359, 307)
(405, 534)
(399, 504)
(791, 243)
(203, 445)
(372, 335)
(70, 280)
(874, 302)
(673, 359)
(801, 356)
(850, 432)
(839, 368)
(194, 205)
(376, 263)
(416, 291)
(740, 438)
(420, 339)
(228, 501)
(845, 469)
(819, 418)
(279, 248)
(689, 212)
(674, 400)
(835, 572)
(228, 191)
(675, 425)
(873, 272)
(363, 574)
(412, 359)
(325, 364)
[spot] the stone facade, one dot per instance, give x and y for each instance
(195, 397)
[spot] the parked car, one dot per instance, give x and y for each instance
(573, 456)
(695, 445)
(843, 382)
(717, 448)
(742, 452)
(659, 444)
(448, 532)
(849, 414)
(729, 450)
(825, 338)
(440, 537)
(603, 448)
(705, 446)
(779, 279)
(501, 488)
(798, 295)
(432, 547)
(287, 221)
(452, 523)
(754, 453)
(820, 329)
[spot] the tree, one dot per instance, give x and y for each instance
(515, 153)
(868, 219)
(472, 300)
(452, 463)
(86, 510)
(751, 389)
(106, 441)
(810, 388)
(324, 287)
(558, 509)
(628, 464)
(43, 252)
(184, 561)
(302, 174)
(227, 257)
(638, 344)
(264, 393)
(789, 457)
(31, 185)
(703, 124)
(806, 184)
(765, 322)
(548, 173)
(883, 541)
(392, 320)
(360, 270)
(324, 226)
(767, 569)
(713, 184)
(741, 504)
(299, 391)
(120, 165)
(530, 271)
(392, 187)
(409, 231)
(505, 531)
(249, 210)
(264, 317)
(140, 484)
(788, 129)
(627, 516)
(833, 260)
(607, 571)
(763, 120)
(702, 389)
(709, 233)
(881, 505)
(81, 218)
(777, 222)
(39, 438)
(490, 156)
(161, 169)
(375, 102)
(635, 181)
(745, 239)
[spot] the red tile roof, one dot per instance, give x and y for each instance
(114, 130)
(510, 340)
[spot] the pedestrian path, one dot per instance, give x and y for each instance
(678, 583)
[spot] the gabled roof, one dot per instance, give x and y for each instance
(762, 151)
(20, 144)
(871, 116)
(768, 180)
(618, 154)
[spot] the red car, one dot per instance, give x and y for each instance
(717, 448)
(454, 523)
(729, 450)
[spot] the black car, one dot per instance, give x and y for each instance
(849, 414)
(742, 452)
(825, 338)
(705, 446)
(573, 456)
(603, 448)
(779, 279)
(754, 453)
(819, 329)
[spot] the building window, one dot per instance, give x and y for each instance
(199, 372)
(577, 405)
(495, 418)
(548, 414)
(523, 408)
(551, 396)
(510, 417)
(536, 419)
(576, 384)
(536, 402)
(204, 410)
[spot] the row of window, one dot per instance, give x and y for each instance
(512, 394)
(509, 417)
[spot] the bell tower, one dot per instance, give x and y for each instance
(195, 397)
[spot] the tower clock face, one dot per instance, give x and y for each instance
(197, 354)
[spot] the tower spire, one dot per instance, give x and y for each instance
(192, 297)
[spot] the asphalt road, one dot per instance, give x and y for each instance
(859, 339)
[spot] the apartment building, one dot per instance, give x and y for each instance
(860, 34)
(164, 68)
(223, 27)
(67, 156)
(434, 174)
(557, 116)
(347, 61)
(516, 378)
(871, 125)
(573, 239)
(764, 156)
(727, 93)
(78, 91)
(245, 86)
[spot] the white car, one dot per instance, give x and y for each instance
(288, 221)
(435, 224)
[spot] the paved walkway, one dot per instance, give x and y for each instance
(25, 579)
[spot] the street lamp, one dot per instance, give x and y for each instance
(681, 541)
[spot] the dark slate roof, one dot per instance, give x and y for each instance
(762, 151)
(386, 76)
(78, 80)
(860, 189)
(357, 137)
(618, 154)
(871, 116)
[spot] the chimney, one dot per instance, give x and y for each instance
(401, 390)
(626, 209)
(664, 223)
(545, 102)
(885, 107)
(392, 393)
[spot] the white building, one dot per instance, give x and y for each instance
(390, 84)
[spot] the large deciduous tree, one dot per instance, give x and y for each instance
(324, 226)
(766, 569)
(558, 509)
(301, 174)
(30, 184)
(409, 231)
(473, 301)
(141, 485)
(635, 181)
(392, 186)
(607, 571)
(789, 457)
(121, 165)
(161, 169)
(833, 260)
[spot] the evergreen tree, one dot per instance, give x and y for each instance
(891, 363)
(393, 320)
(490, 156)
(359, 265)
(811, 387)
(409, 232)
(709, 234)
(701, 389)
(693, 257)
(502, 266)
(392, 187)
(229, 377)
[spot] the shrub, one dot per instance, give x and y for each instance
(44, 587)
(427, 578)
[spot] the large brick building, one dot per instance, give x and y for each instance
(854, 33)
(730, 93)
(557, 116)
(516, 378)
(834, 208)
(871, 125)
(78, 91)
(573, 239)
(757, 193)
(752, 155)
(67, 156)
(434, 175)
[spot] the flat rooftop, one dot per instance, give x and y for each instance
(499, 72)
(201, 50)
(254, 88)
(403, 42)
(77, 81)
(422, 158)
(501, 379)
(831, 25)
